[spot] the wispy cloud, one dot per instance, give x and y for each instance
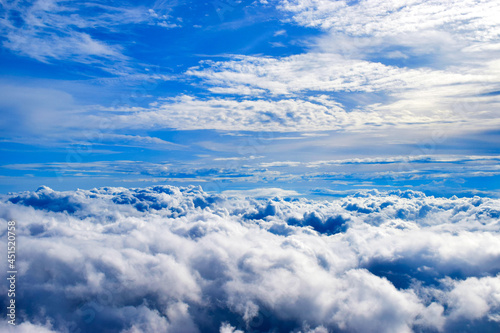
(261, 193)
(281, 115)
(333, 72)
(139, 141)
(377, 94)
(64, 31)
(439, 173)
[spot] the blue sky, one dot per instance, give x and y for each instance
(312, 96)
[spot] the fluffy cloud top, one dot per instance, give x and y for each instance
(182, 260)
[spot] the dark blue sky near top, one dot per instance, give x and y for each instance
(311, 96)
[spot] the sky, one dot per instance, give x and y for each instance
(224, 166)
(321, 98)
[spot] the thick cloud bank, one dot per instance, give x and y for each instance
(168, 259)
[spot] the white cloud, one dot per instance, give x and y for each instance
(305, 72)
(225, 172)
(189, 113)
(227, 328)
(25, 327)
(181, 260)
(457, 43)
(79, 46)
(131, 140)
(475, 298)
(409, 22)
(40, 112)
(281, 32)
(49, 30)
(332, 72)
(282, 115)
(251, 157)
(280, 164)
(93, 169)
(261, 192)
(382, 95)
(406, 159)
(45, 31)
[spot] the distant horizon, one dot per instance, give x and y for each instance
(270, 192)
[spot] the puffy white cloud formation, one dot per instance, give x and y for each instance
(168, 259)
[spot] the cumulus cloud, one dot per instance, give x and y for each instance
(224, 173)
(182, 260)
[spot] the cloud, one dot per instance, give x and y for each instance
(261, 192)
(140, 141)
(53, 30)
(385, 18)
(280, 164)
(382, 95)
(422, 26)
(25, 327)
(331, 72)
(41, 112)
(52, 117)
(251, 157)
(444, 171)
(406, 159)
(303, 72)
(79, 46)
(120, 169)
(182, 260)
(191, 113)
(418, 61)
(282, 115)
(50, 30)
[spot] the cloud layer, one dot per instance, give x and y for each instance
(51, 30)
(183, 260)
